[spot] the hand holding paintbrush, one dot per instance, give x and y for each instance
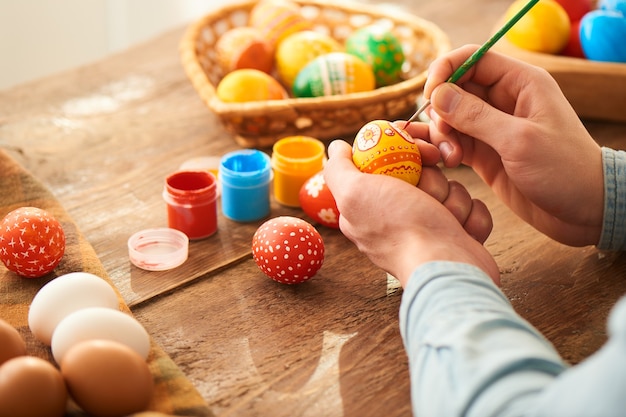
(478, 54)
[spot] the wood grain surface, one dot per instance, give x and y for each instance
(104, 136)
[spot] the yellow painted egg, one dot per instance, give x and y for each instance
(379, 47)
(333, 74)
(382, 148)
(300, 48)
(277, 19)
(249, 85)
(244, 47)
(545, 28)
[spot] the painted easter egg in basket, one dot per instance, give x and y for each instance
(334, 74)
(300, 48)
(381, 49)
(249, 85)
(244, 47)
(382, 148)
(277, 19)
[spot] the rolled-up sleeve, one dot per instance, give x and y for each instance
(469, 353)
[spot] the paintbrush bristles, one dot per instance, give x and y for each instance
(417, 113)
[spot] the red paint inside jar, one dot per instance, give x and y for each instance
(191, 198)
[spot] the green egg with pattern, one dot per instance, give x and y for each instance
(381, 49)
(333, 74)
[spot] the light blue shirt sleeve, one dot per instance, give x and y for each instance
(613, 235)
(470, 354)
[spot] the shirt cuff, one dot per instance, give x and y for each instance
(613, 236)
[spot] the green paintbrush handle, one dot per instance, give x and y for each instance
(460, 71)
(481, 51)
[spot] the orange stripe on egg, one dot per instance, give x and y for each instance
(377, 163)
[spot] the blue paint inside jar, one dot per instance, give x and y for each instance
(245, 177)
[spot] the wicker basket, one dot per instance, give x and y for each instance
(260, 124)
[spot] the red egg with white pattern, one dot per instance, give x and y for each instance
(288, 249)
(318, 203)
(32, 242)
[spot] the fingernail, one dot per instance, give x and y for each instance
(432, 115)
(446, 150)
(446, 98)
(331, 148)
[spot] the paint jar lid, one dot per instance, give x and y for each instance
(158, 249)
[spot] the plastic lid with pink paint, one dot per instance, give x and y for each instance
(158, 249)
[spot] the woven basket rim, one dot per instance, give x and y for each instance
(207, 90)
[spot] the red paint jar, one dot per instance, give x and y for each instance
(191, 198)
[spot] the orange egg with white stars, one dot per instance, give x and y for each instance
(382, 148)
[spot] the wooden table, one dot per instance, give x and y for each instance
(104, 136)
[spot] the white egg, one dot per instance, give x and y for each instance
(99, 323)
(64, 295)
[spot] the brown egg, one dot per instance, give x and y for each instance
(11, 343)
(106, 378)
(31, 387)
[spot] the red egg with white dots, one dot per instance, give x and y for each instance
(318, 203)
(288, 249)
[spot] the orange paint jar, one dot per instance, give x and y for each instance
(295, 159)
(191, 198)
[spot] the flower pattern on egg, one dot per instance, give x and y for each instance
(382, 148)
(317, 201)
(315, 185)
(368, 137)
(328, 215)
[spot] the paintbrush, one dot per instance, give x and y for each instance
(478, 54)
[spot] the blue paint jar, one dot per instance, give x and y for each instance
(245, 177)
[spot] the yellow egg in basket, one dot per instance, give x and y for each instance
(249, 85)
(300, 48)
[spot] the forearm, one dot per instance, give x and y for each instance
(613, 235)
(470, 354)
